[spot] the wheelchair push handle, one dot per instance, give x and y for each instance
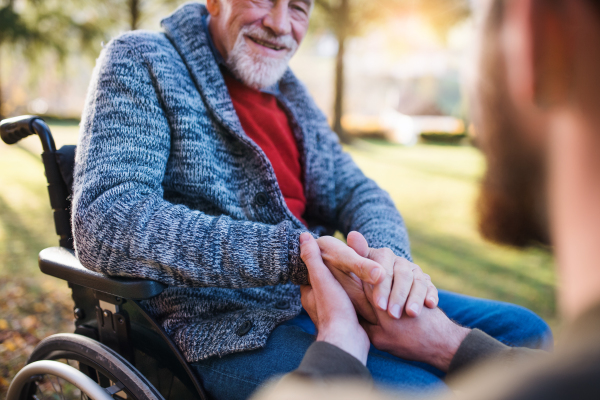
(13, 130)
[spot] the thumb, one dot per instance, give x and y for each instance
(319, 274)
(358, 243)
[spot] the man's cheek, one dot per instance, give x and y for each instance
(299, 32)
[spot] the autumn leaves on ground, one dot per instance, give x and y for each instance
(433, 186)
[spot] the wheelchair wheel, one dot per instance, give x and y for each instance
(56, 380)
(102, 364)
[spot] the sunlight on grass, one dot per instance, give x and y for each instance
(433, 186)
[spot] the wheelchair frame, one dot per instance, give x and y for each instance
(106, 309)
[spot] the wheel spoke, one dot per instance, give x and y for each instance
(62, 395)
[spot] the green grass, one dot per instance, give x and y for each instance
(434, 187)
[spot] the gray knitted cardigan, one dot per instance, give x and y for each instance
(168, 187)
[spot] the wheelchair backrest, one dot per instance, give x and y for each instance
(58, 165)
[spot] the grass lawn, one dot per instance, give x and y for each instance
(433, 186)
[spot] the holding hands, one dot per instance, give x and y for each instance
(388, 292)
(393, 283)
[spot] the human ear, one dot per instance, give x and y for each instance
(535, 44)
(517, 46)
(213, 7)
(552, 58)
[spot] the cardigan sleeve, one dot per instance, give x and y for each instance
(361, 205)
(122, 224)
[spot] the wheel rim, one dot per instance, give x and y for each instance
(52, 387)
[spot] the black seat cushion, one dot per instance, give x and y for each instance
(62, 263)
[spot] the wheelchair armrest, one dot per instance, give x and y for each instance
(61, 263)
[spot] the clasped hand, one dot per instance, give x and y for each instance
(359, 296)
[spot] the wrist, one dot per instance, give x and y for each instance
(446, 350)
(353, 341)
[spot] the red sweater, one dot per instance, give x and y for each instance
(265, 122)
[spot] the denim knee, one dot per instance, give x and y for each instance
(540, 332)
(529, 330)
(509, 323)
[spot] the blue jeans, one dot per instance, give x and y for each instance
(237, 376)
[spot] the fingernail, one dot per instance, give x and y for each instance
(375, 274)
(415, 308)
(304, 236)
(432, 301)
(395, 310)
(382, 303)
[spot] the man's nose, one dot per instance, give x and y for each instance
(278, 19)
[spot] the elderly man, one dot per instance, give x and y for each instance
(539, 127)
(201, 161)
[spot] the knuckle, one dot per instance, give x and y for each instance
(361, 268)
(415, 267)
(400, 295)
(405, 274)
(388, 253)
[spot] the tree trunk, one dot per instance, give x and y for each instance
(341, 35)
(1, 98)
(134, 12)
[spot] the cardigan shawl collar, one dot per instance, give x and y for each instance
(184, 29)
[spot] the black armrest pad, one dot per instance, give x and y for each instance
(62, 263)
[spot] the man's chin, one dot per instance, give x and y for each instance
(260, 75)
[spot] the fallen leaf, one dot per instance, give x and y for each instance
(10, 345)
(29, 322)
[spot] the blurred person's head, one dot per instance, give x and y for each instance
(257, 38)
(536, 108)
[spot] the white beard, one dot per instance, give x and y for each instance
(256, 70)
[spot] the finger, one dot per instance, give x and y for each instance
(307, 298)
(338, 255)
(358, 243)
(432, 298)
(371, 313)
(403, 281)
(305, 290)
(381, 293)
(311, 255)
(418, 291)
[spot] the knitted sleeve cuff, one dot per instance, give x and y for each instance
(298, 271)
(324, 361)
(475, 347)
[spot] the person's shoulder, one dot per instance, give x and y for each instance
(143, 43)
(142, 40)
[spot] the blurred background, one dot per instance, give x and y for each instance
(388, 73)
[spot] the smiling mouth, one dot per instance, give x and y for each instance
(267, 44)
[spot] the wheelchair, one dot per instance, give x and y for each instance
(117, 351)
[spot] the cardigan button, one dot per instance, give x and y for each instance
(282, 305)
(244, 328)
(261, 199)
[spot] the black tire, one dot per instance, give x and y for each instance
(97, 361)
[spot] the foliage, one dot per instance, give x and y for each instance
(133, 14)
(443, 15)
(34, 28)
(347, 18)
